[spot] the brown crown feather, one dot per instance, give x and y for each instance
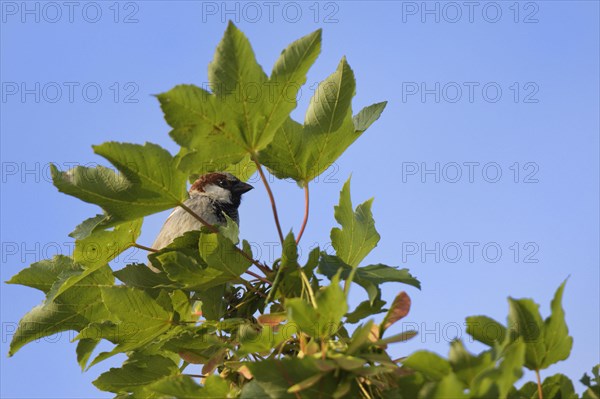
(204, 180)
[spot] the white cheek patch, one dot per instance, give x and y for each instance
(217, 193)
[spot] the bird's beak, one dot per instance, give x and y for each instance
(241, 188)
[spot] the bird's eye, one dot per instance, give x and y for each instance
(221, 182)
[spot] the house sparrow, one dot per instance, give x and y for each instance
(210, 196)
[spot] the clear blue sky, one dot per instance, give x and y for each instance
(473, 92)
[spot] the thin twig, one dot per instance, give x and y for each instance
(263, 268)
(271, 198)
(195, 375)
(250, 287)
(145, 248)
(306, 204)
(264, 280)
(363, 390)
(311, 294)
(275, 284)
(211, 227)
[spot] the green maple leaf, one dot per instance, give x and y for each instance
(304, 151)
(245, 108)
(73, 310)
(149, 182)
(358, 235)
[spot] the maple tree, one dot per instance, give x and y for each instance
(282, 332)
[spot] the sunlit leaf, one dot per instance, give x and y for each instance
(303, 151)
(148, 183)
(358, 235)
(557, 341)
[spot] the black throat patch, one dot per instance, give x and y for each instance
(230, 210)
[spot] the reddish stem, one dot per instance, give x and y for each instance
(306, 206)
(271, 198)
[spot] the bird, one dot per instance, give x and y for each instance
(211, 196)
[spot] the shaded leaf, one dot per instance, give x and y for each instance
(136, 374)
(43, 274)
(497, 381)
(430, 364)
(84, 350)
(465, 365)
(368, 277)
(275, 377)
(140, 276)
(260, 341)
(360, 337)
(485, 330)
(222, 257)
(525, 321)
(214, 305)
(86, 227)
(449, 386)
(404, 336)
(593, 385)
(323, 321)
(367, 116)
(289, 269)
(139, 320)
(558, 386)
(364, 310)
(184, 387)
(74, 310)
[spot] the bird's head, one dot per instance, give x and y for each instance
(221, 187)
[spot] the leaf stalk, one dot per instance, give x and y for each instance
(539, 384)
(271, 197)
(306, 208)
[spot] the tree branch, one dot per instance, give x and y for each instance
(264, 280)
(212, 228)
